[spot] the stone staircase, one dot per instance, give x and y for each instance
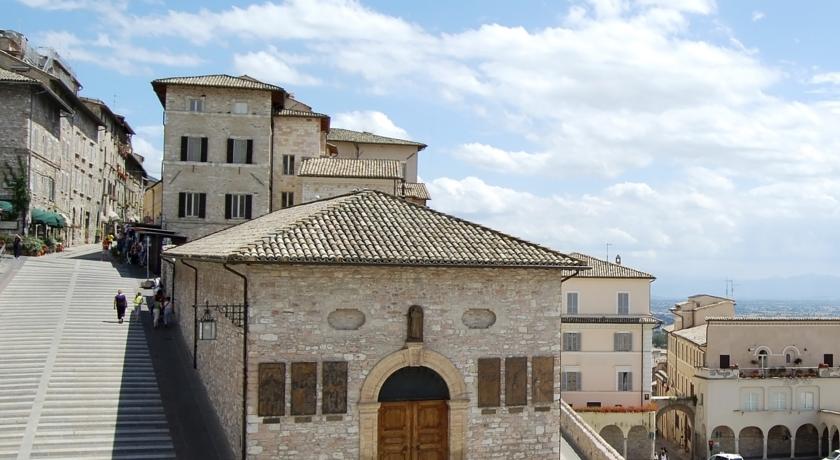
(73, 382)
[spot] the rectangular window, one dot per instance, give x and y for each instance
(806, 400)
(240, 151)
(287, 199)
(289, 165)
(240, 108)
(779, 401)
(193, 148)
(237, 206)
(828, 358)
(593, 403)
(570, 381)
(571, 341)
(623, 303)
(724, 361)
(623, 341)
(625, 381)
(195, 104)
(751, 401)
(571, 303)
(191, 204)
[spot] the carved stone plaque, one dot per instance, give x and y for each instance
(334, 387)
(489, 382)
(478, 318)
(542, 379)
(516, 381)
(346, 319)
(304, 381)
(272, 389)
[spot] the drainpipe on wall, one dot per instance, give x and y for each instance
(560, 393)
(195, 313)
(642, 367)
(244, 360)
(271, 164)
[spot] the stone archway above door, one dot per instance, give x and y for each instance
(412, 356)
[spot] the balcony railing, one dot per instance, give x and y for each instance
(797, 372)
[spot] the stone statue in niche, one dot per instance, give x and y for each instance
(415, 324)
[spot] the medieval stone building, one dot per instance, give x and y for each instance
(361, 325)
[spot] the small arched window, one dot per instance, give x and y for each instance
(762, 359)
(788, 358)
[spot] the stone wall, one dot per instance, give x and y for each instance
(296, 136)
(215, 177)
(315, 188)
(586, 441)
(289, 323)
(219, 362)
(14, 127)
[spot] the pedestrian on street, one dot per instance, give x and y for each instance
(138, 302)
(168, 312)
(664, 455)
(156, 315)
(106, 246)
(120, 304)
(17, 246)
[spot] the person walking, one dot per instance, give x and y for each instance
(17, 246)
(120, 304)
(168, 312)
(138, 302)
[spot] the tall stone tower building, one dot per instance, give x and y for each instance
(236, 148)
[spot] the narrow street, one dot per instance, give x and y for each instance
(74, 383)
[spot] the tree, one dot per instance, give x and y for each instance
(15, 179)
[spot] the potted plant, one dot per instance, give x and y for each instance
(797, 361)
(823, 366)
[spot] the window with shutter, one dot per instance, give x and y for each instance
(272, 389)
(236, 206)
(625, 381)
(238, 151)
(724, 361)
(304, 381)
(191, 148)
(572, 303)
(287, 199)
(623, 303)
(334, 387)
(571, 341)
(190, 204)
(516, 381)
(289, 165)
(623, 341)
(570, 381)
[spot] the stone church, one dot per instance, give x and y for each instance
(365, 326)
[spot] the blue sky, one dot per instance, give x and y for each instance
(699, 138)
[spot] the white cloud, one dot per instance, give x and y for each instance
(757, 16)
(832, 78)
(500, 160)
(57, 4)
(274, 66)
(148, 141)
(118, 55)
(369, 120)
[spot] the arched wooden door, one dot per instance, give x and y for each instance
(413, 416)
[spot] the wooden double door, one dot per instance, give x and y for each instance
(414, 430)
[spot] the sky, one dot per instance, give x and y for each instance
(697, 139)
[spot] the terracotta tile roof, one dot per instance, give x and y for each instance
(604, 269)
(580, 319)
(301, 113)
(370, 227)
(215, 81)
(416, 190)
(763, 318)
(347, 135)
(7, 75)
(696, 334)
(350, 167)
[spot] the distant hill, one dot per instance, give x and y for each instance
(800, 287)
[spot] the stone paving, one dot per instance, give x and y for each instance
(73, 382)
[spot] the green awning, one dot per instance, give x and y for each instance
(50, 218)
(6, 207)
